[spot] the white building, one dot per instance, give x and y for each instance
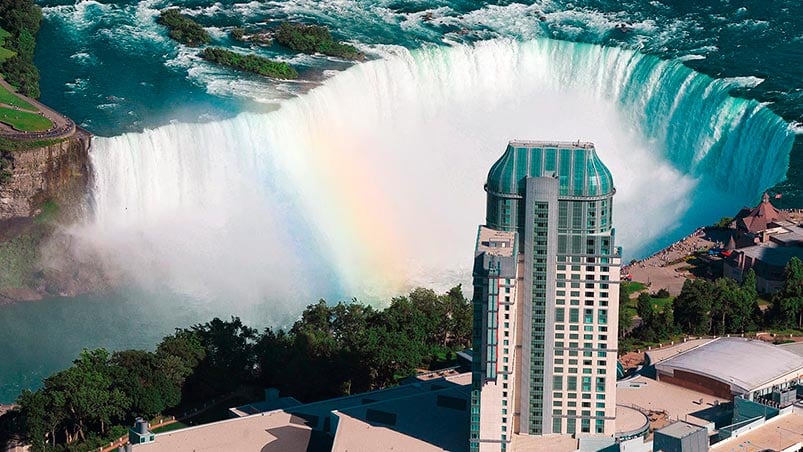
(556, 363)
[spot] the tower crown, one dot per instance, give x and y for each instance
(575, 164)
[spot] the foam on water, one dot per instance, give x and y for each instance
(373, 181)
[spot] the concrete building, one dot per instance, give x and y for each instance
(546, 291)
(681, 437)
(730, 366)
(421, 415)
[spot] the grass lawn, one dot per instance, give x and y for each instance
(9, 98)
(632, 286)
(661, 303)
(170, 427)
(25, 121)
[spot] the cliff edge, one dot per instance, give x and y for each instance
(43, 191)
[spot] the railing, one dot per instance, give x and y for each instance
(63, 131)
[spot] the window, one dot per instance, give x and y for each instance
(600, 425)
(559, 314)
(588, 316)
(574, 315)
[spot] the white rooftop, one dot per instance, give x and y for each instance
(745, 364)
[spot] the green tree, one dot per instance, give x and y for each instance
(42, 413)
(21, 18)
(788, 302)
(142, 377)
(90, 394)
(693, 306)
(644, 308)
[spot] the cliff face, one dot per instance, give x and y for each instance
(45, 193)
(58, 172)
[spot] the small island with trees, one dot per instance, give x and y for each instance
(250, 63)
(298, 37)
(183, 29)
(314, 39)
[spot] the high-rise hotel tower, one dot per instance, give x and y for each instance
(546, 296)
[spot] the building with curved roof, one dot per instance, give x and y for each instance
(731, 366)
(545, 316)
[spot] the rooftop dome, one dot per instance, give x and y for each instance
(575, 164)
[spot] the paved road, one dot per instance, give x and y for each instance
(63, 126)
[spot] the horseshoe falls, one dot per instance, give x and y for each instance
(372, 182)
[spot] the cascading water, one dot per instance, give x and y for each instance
(373, 181)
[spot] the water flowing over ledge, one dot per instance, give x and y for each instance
(373, 181)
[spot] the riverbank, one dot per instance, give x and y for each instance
(670, 267)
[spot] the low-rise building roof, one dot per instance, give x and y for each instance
(428, 421)
(274, 431)
(794, 347)
(745, 364)
(679, 430)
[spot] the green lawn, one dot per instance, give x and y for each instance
(630, 287)
(661, 303)
(22, 120)
(170, 427)
(9, 98)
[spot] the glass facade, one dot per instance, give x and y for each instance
(566, 235)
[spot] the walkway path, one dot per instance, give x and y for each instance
(63, 126)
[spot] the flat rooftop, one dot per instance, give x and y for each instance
(772, 254)
(679, 430)
(629, 420)
(552, 443)
(781, 433)
(552, 144)
(497, 243)
(647, 394)
(745, 364)
(431, 421)
(794, 347)
(274, 431)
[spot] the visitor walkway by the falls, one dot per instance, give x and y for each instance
(61, 126)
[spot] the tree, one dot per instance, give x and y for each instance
(42, 413)
(745, 314)
(143, 377)
(90, 394)
(229, 359)
(693, 306)
(644, 308)
(788, 303)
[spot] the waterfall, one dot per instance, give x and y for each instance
(373, 181)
